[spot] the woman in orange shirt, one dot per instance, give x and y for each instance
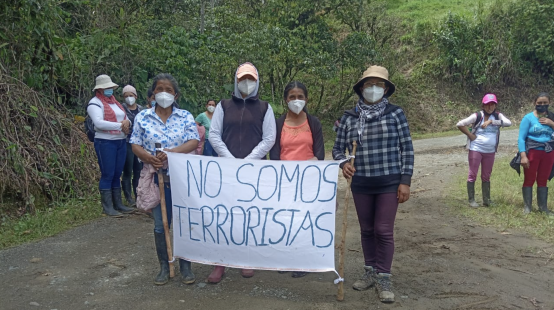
(299, 135)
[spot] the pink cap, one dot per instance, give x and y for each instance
(247, 69)
(489, 98)
(129, 89)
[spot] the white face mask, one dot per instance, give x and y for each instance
(296, 106)
(130, 101)
(211, 108)
(373, 93)
(246, 87)
(164, 99)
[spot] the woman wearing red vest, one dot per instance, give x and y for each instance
(242, 127)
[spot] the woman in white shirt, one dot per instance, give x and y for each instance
(483, 145)
(111, 126)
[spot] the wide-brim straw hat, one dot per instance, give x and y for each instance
(378, 72)
(103, 81)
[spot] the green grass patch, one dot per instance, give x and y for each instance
(507, 212)
(432, 10)
(47, 222)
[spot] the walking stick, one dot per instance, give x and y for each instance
(340, 293)
(164, 216)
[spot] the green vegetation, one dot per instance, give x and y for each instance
(47, 222)
(443, 55)
(507, 212)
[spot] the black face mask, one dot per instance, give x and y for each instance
(541, 108)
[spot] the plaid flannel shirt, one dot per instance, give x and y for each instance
(385, 147)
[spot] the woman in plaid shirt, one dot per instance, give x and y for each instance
(381, 174)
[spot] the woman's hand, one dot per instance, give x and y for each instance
(162, 156)
(472, 136)
(348, 170)
(485, 124)
(546, 121)
(126, 126)
(153, 160)
(403, 193)
(524, 161)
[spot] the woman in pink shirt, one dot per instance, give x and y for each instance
(299, 135)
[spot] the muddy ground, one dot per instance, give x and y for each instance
(442, 261)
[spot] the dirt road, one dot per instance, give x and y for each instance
(441, 262)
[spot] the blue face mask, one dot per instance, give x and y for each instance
(108, 92)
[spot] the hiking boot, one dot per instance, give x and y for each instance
(471, 195)
(527, 199)
(126, 186)
(383, 284)
(161, 249)
(247, 273)
(486, 189)
(216, 275)
(118, 203)
(542, 200)
(107, 203)
(366, 280)
(187, 277)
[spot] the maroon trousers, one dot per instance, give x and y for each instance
(376, 214)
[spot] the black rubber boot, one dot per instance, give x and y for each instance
(542, 200)
(107, 203)
(126, 186)
(187, 277)
(471, 195)
(118, 203)
(486, 189)
(161, 249)
(527, 199)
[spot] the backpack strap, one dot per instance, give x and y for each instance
(479, 118)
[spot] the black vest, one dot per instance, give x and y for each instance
(243, 124)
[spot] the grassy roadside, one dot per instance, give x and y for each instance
(48, 222)
(507, 213)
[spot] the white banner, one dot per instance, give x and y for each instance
(255, 214)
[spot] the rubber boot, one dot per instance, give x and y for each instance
(527, 199)
(365, 281)
(107, 203)
(486, 189)
(383, 284)
(247, 273)
(126, 186)
(216, 275)
(118, 203)
(542, 200)
(471, 195)
(187, 277)
(161, 249)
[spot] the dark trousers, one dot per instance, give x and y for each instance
(111, 159)
(208, 149)
(376, 214)
(157, 211)
(131, 170)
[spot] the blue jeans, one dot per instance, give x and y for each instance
(111, 159)
(208, 149)
(157, 211)
(132, 169)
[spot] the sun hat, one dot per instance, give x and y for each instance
(378, 72)
(247, 69)
(103, 81)
(489, 98)
(129, 89)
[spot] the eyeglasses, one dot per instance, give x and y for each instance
(371, 84)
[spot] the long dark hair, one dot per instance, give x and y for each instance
(542, 94)
(293, 85)
(172, 80)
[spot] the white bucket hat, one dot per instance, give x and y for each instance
(103, 81)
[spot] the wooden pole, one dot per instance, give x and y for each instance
(164, 217)
(340, 293)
